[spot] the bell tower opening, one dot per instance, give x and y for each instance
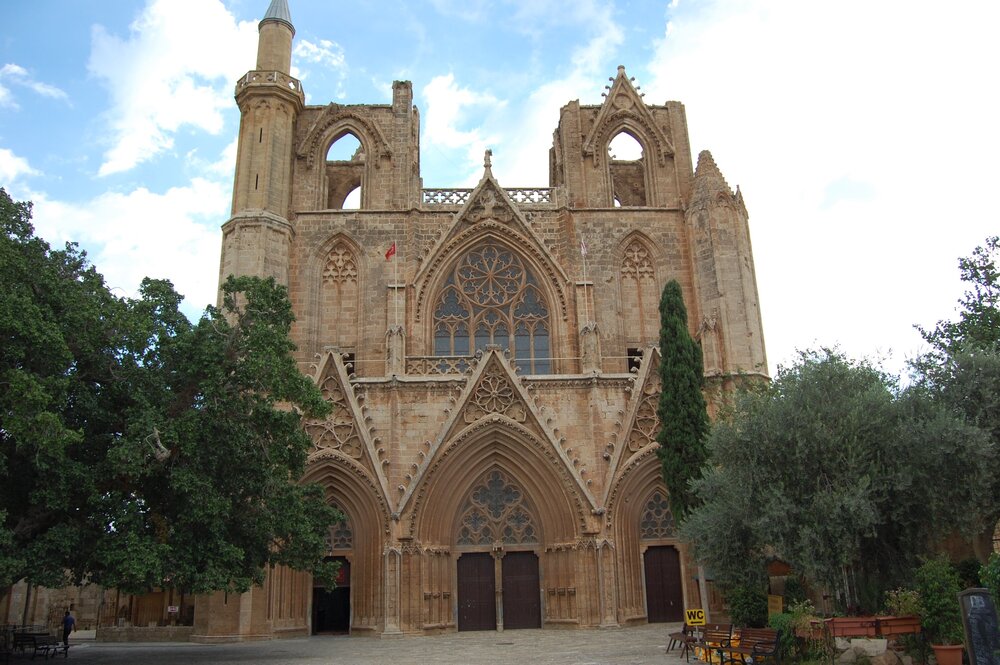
(345, 171)
(627, 168)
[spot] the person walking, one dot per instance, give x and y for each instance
(69, 625)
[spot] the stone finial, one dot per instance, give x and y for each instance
(487, 159)
(708, 179)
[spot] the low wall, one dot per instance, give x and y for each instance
(145, 634)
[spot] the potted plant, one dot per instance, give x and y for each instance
(940, 614)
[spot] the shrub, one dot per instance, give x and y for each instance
(968, 572)
(902, 602)
(747, 606)
(940, 614)
(989, 574)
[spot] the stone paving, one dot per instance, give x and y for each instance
(640, 645)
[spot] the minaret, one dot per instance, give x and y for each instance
(257, 238)
(730, 331)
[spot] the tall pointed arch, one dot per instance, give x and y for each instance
(638, 291)
(333, 287)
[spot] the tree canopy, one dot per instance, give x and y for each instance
(835, 470)
(140, 450)
(681, 407)
(962, 369)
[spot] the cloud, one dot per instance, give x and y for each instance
(329, 55)
(173, 235)
(859, 148)
(172, 71)
(540, 112)
(12, 167)
(446, 104)
(17, 75)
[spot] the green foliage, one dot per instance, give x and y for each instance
(835, 470)
(784, 623)
(795, 591)
(681, 409)
(902, 602)
(963, 367)
(990, 576)
(968, 572)
(139, 450)
(799, 639)
(938, 584)
(747, 606)
(978, 324)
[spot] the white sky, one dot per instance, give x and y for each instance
(863, 134)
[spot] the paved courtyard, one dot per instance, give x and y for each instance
(640, 645)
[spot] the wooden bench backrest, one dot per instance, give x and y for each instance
(716, 633)
(761, 639)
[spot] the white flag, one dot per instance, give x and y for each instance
(583, 248)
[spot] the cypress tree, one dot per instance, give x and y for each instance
(681, 408)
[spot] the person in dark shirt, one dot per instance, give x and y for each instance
(69, 624)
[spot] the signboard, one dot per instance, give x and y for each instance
(979, 618)
(775, 605)
(695, 617)
(173, 609)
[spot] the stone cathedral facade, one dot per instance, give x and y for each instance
(494, 381)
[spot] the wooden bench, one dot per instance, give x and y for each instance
(712, 638)
(756, 645)
(683, 639)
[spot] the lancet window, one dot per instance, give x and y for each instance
(495, 512)
(657, 521)
(491, 297)
(341, 535)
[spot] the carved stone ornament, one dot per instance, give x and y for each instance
(495, 394)
(338, 431)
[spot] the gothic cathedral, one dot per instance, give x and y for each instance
(490, 355)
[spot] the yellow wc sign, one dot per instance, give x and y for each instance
(695, 617)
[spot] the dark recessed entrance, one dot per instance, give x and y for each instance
(477, 605)
(332, 609)
(522, 606)
(664, 597)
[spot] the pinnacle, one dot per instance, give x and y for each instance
(278, 11)
(707, 176)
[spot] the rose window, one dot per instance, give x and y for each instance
(491, 297)
(495, 511)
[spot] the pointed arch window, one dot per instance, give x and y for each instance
(491, 297)
(495, 512)
(340, 535)
(657, 521)
(345, 169)
(627, 169)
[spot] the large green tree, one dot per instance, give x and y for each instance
(681, 408)
(837, 471)
(138, 449)
(962, 369)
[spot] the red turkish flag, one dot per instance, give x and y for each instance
(391, 251)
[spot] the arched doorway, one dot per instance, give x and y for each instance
(332, 608)
(661, 562)
(495, 517)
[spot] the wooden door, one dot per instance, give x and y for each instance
(664, 597)
(477, 605)
(522, 605)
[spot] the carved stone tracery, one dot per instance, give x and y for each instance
(637, 264)
(657, 521)
(647, 423)
(495, 512)
(341, 265)
(494, 394)
(338, 431)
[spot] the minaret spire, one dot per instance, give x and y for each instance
(274, 43)
(278, 11)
